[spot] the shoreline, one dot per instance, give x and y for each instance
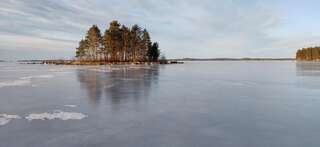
(76, 62)
(168, 61)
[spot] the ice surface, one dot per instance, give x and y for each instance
(193, 104)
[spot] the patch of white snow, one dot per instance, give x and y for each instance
(5, 118)
(56, 115)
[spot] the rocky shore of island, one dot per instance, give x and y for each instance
(78, 62)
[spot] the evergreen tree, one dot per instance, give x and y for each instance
(154, 52)
(135, 42)
(94, 42)
(126, 42)
(81, 50)
(146, 44)
(114, 40)
(106, 50)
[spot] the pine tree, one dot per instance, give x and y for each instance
(94, 42)
(82, 49)
(154, 52)
(126, 42)
(114, 40)
(106, 50)
(135, 42)
(146, 45)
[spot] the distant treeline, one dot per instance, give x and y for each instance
(308, 54)
(235, 59)
(118, 44)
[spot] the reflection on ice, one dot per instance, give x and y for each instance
(308, 68)
(118, 82)
(309, 73)
(114, 68)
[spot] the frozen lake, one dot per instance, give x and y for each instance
(196, 104)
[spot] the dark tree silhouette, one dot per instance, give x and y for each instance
(154, 52)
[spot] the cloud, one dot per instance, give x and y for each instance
(184, 28)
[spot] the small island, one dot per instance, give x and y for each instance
(308, 54)
(119, 44)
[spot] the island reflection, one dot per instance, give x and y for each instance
(308, 69)
(309, 73)
(118, 84)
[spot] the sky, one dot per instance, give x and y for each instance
(41, 29)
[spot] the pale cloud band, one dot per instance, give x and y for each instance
(184, 28)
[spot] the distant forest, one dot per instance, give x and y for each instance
(308, 54)
(118, 44)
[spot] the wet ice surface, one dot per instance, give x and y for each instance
(224, 104)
